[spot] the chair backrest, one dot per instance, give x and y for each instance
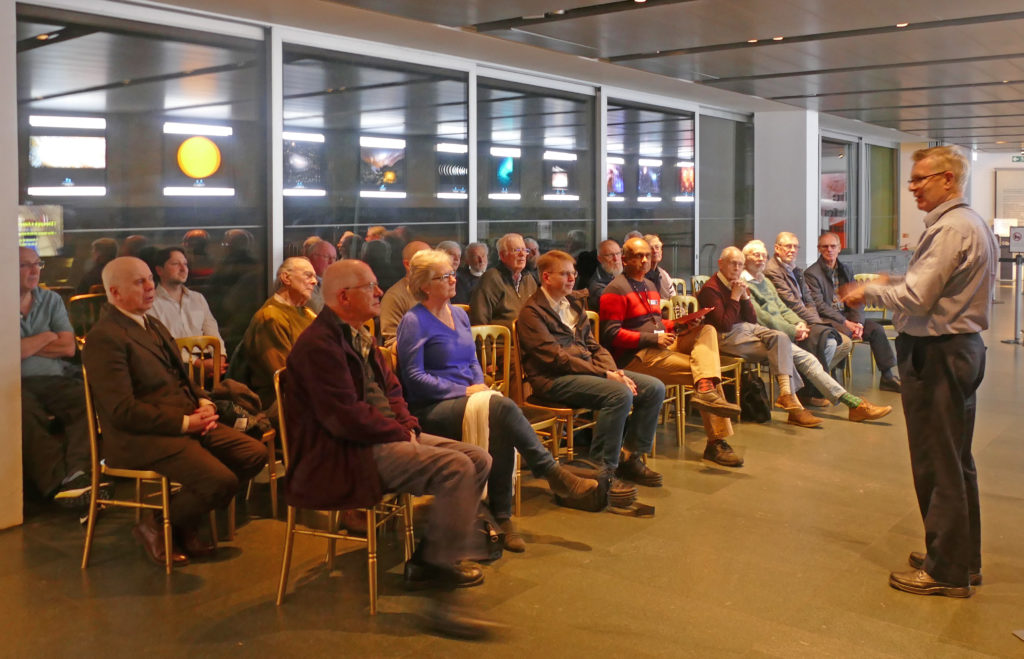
(697, 282)
(683, 304)
(195, 350)
(279, 376)
(595, 324)
(371, 327)
(864, 278)
(493, 344)
(666, 309)
(83, 312)
(464, 307)
(93, 424)
(680, 285)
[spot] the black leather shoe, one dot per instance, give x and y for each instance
(635, 470)
(721, 453)
(150, 535)
(420, 575)
(890, 384)
(192, 544)
(920, 582)
(916, 561)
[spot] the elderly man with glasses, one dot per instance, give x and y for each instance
(609, 266)
(503, 289)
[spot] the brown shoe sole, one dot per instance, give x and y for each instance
(916, 561)
(869, 416)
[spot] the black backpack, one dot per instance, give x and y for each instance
(754, 403)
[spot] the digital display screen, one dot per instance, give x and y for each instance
(506, 175)
(67, 152)
(452, 172)
(41, 227)
(687, 181)
(649, 181)
(381, 169)
(616, 186)
(303, 165)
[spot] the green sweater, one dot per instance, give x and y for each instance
(771, 310)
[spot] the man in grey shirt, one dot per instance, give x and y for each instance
(940, 307)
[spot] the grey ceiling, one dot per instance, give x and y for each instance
(954, 73)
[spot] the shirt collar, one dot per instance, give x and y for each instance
(934, 214)
(138, 318)
(788, 266)
(556, 305)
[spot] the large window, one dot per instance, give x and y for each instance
(839, 170)
(372, 143)
(726, 187)
(651, 180)
(883, 227)
(141, 134)
(535, 171)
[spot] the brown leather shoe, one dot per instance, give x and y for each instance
(150, 535)
(868, 412)
(917, 558)
(803, 418)
(789, 402)
(192, 544)
(920, 582)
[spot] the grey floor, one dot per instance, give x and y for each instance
(787, 557)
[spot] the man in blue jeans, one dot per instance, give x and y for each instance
(565, 364)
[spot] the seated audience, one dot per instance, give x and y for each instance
(657, 275)
(454, 251)
(609, 258)
(133, 246)
(274, 328)
(472, 269)
(504, 288)
(57, 464)
(104, 250)
(321, 254)
(154, 417)
(740, 335)
(231, 286)
(200, 266)
(352, 438)
(533, 248)
(823, 341)
(444, 383)
(398, 299)
(377, 255)
(375, 233)
(182, 311)
(823, 278)
(633, 330)
(565, 364)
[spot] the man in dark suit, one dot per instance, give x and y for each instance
(154, 417)
(823, 278)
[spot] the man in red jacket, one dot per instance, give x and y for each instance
(351, 437)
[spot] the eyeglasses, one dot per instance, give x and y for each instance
(788, 246)
(610, 255)
(918, 180)
(519, 250)
(448, 275)
(642, 255)
(569, 274)
(33, 264)
(829, 247)
(371, 285)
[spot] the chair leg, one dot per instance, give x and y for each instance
(91, 527)
(407, 522)
(165, 495)
(213, 528)
(138, 499)
(569, 436)
(517, 479)
(232, 517)
(333, 522)
(680, 415)
(272, 478)
(371, 556)
(286, 560)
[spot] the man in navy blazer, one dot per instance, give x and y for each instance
(154, 417)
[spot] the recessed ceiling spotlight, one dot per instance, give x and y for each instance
(1000, 141)
(777, 38)
(639, 2)
(1005, 81)
(902, 24)
(752, 40)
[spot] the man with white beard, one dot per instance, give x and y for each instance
(609, 266)
(468, 276)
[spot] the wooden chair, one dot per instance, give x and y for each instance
(569, 420)
(680, 285)
(683, 304)
(390, 507)
(100, 468)
(83, 312)
(697, 282)
(464, 307)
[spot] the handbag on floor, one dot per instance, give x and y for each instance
(754, 403)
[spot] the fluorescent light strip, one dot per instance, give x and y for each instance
(684, 164)
(452, 195)
(178, 128)
(560, 155)
(448, 147)
(50, 121)
(561, 197)
(68, 191)
(506, 151)
(195, 191)
(382, 142)
(616, 160)
(303, 192)
(616, 199)
(649, 162)
(382, 194)
(504, 196)
(648, 200)
(302, 137)
(683, 198)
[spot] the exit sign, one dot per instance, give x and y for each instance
(1017, 158)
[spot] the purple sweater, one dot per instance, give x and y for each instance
(436, 362)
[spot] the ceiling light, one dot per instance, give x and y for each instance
(639, 2)
(902, 24)
(448, 147)
(50, 121)
(381, 142)
(198, 191)
(778, 38)
(1000, 142)
(752, 40)
(176, 128)
(67, 191)
(505, 152)
(559, 155)
(292, 136)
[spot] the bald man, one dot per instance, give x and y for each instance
(154, 417)
(351, 436)
(398, 299)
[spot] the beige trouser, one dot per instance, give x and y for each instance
(694, 356)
